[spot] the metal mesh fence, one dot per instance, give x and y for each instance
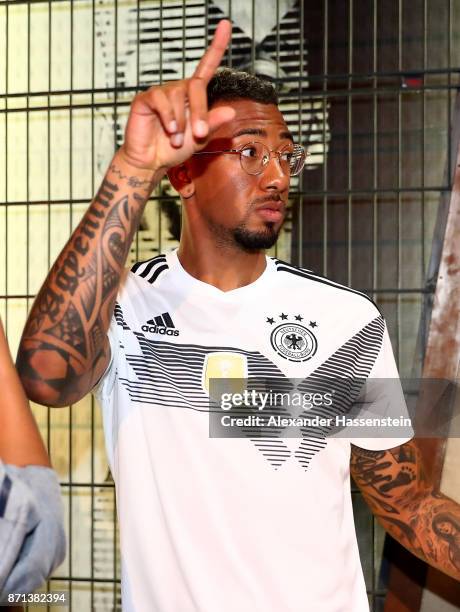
(366, 86)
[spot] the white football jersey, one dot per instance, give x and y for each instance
(247, 523)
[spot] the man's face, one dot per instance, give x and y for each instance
(241, 209)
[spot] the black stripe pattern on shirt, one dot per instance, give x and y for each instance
(150, 269)
(168, 374)
(344, 373)
(118, 315)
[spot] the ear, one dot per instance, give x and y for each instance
(181, 180)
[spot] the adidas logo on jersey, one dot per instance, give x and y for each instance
(162, 324)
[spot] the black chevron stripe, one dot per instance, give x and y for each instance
(344, 373)
(193, 349)
(168, 374)
(354, 360)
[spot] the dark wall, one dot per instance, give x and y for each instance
(382, 151)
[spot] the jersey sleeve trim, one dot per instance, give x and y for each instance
(150, 269)
(282, 266)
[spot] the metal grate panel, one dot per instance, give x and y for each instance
(367, 86)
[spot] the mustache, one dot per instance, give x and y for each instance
(275, 197)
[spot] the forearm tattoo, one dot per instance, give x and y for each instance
(64, 340)
(133, 181)
(424, 521)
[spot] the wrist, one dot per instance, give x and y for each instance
(130, 168)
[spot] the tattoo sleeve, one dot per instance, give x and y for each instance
(64, 348)
(423, 520)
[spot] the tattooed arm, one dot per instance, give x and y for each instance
(64, 348)
(426, 522)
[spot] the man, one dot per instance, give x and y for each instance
(208, 523)
(32, 540)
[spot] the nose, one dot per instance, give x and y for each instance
(273, 178)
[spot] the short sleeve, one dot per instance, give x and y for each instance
(380, 418)
(103, 388)
(104, 392)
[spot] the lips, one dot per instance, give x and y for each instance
(272, 210)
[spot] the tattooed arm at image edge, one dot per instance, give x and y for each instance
(64, 348)
(426, 522)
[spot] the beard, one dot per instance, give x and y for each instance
(251, 241)
(242, 238)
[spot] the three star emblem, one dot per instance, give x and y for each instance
(283, 316)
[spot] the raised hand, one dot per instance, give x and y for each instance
(168, 123)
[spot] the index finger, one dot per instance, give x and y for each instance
(213, 56)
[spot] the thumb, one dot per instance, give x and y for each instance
(219, 116)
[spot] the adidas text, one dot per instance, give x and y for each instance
(155, 329)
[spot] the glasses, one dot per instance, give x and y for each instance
(255, 156)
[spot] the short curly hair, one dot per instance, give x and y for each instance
(230, 84)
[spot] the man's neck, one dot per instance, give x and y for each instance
(225, 268)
